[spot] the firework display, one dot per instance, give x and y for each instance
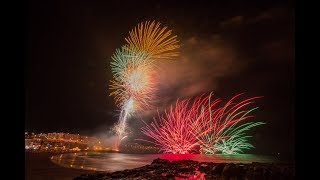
(204, 123)
(201, 124)
(133, 67)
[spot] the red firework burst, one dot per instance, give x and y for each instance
(198, 122)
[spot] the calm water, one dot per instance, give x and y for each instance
(104, 161)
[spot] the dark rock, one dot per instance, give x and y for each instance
(170, 176)
(240, 171)
(156, 166)
(118, 174)
(159, 171)
(229, 170)
(186, 162)
(186, 170)
(266, 173)
(160, 161)
(204, 168)
(100, 175)
(217, 169)
(255, 163)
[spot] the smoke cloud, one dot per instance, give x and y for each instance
(197, 70)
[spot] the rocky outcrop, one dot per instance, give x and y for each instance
(188, 169)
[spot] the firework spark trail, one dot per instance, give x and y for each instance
(204, 123)
(150, 38)
(132, 78)
(173, 133)
(133, 68)
(237, 140)
(224, 132)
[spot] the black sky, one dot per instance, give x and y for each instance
(68, 47)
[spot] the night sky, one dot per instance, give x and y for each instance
(226, 48)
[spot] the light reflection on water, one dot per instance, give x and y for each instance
(105, 161)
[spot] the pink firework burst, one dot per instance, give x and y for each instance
(198, 122)
(174, 133)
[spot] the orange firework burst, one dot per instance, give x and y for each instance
(150, 38)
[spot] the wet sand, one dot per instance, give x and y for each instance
(39, 167)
